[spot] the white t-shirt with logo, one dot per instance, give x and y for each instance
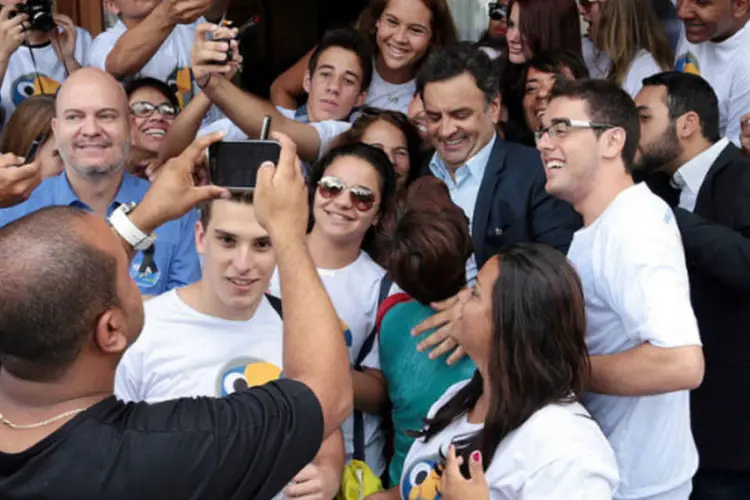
(354, 291)
(384, 95)
(559, 453)
(24, 79)
(632, 267)
(328, 130)
(726, 66)
(170, 63)
(184, 353)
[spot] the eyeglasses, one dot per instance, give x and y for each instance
(498, 12)
(331, 187)
(587, 4)
(561, 127)
(144, 109)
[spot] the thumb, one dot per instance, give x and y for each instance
(206, 193)
(476, 467)
(264, 178)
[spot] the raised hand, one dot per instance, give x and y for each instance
(178, 187)
(17, 181)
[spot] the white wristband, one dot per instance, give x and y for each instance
(129, 231)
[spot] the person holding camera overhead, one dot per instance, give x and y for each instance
(153, 39)
(38, 50)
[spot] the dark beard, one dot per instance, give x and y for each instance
(661, 152)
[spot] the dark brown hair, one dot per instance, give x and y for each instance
(549, 24)
(245, 197)
(424, 242)
(32, 118)
(55, 287)
(538, 352)
(442, 26)
(399, 120)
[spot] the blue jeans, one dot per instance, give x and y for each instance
(721, 485)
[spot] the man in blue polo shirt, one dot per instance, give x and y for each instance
(92, 130)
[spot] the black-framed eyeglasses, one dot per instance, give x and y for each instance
(498, 12)
(559, 128)
(144, 109)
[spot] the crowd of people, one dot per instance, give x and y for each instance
(509, 268)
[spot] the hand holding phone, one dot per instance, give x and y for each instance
(234, 164)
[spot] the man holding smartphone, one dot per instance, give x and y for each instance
(337, 80)
(63, 435)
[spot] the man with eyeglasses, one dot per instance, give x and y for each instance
(642, 335)
(92, 129)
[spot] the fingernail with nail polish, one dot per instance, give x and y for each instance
(476, 456)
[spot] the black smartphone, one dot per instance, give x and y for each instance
(34, 148)
(234, 164)
(241, 33)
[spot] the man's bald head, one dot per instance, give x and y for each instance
(85, 79)
(92, 124)
(57, 279)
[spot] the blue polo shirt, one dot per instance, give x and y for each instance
(175, 255)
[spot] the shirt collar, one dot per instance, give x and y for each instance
(476, 165)
(64, 194)
(692, 173)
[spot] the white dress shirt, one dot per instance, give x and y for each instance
(689, 178)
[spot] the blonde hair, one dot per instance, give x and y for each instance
(625, 28)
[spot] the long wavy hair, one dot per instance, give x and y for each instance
(538, 354)
(625, 28)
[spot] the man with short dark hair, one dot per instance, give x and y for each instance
(498, 184)
(679, 116)
(641, 332)
(714, 45)
(222, 334)
(337, 80)
(68, 312)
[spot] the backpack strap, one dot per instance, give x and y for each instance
(359, 424)
(276, 304)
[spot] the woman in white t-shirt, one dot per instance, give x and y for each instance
(524, 326)
(350, 188)
(629, 42)
(403, 33)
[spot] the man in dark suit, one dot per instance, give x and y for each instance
(498, 184)
(679, 116)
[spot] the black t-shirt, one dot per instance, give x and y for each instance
(246, 446)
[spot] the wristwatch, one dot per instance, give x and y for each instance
(129, 232)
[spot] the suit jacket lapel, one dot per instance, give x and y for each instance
(704, 202)
(485, 197)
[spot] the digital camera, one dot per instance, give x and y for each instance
(498, 12)
(39, 13)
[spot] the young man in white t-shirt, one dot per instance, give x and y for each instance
(715, 45)
(642, 334)
(337, 79)
(222, 334)
(153, 39)
(34, 62)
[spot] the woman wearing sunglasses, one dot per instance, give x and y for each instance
(516, 428)
(153, 108)
(350, 189)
